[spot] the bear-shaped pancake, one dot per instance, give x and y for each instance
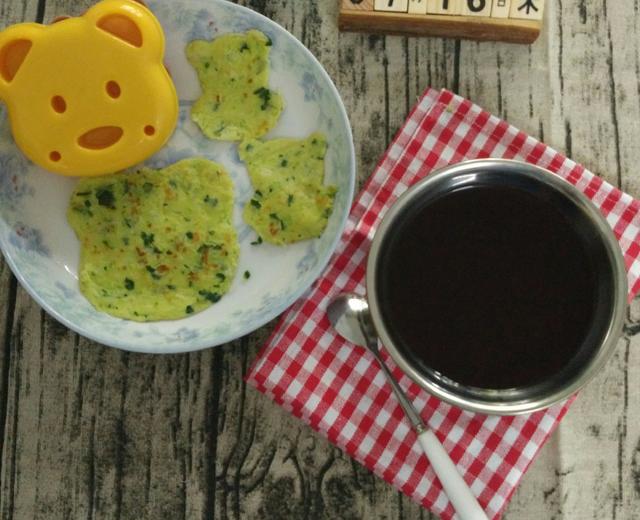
(89, 95)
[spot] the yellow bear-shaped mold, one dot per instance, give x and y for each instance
(89, 95)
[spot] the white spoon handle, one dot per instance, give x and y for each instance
(463, 500)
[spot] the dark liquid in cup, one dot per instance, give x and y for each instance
(492, 287)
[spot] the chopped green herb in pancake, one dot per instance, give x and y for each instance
(236, 101)
(156, 244)
(291, 202)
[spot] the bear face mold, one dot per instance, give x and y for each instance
(89, 95)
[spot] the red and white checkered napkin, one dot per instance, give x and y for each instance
(339, 390)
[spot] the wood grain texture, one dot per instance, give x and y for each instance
(90, 432)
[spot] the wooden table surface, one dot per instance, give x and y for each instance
(90, 432)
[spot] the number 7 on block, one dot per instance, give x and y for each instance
(395, 6)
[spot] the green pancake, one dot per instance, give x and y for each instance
(156, 244)
(236, 102)
(291, 202)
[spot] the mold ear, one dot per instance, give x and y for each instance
(13, 52)
(122, 27)
(127, 20)
(15, 44)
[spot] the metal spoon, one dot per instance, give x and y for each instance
(349, 315)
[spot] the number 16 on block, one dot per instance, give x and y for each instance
(514, 9)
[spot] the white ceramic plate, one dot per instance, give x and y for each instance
(43, 251)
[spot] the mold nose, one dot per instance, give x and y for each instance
(101, 137)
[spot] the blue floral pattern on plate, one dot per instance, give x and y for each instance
(43, 252)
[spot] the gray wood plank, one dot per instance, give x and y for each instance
(98, 433)
(8, 286)
(16, 11)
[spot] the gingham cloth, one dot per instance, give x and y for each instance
(339, 390)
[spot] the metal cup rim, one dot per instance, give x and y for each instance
(499, 405)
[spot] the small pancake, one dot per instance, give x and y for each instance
(291, 202)
(156, 244)
(236, 101)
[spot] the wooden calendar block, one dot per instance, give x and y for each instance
(417, 6)
(500, 8)
(357, 5)
(487, 19)
(476, 8)
(392, 6)
(450, 7)
(527, 9)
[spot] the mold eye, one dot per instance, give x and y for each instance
(149, 130)
(113, 89)
(55, 156)
(59, 104)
